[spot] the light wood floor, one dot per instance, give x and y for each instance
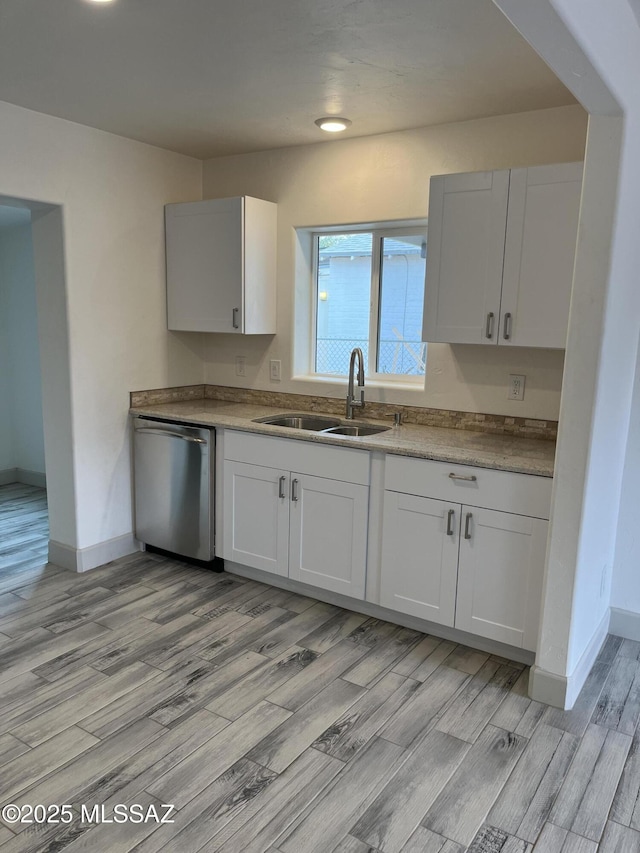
(276, 723)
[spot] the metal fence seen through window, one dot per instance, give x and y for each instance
(395, 356)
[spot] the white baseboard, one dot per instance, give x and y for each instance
(625, 623)
(563, 690)
(378, 612)
(32, 478)
(547, 687)
(23, 475)
(84, 559)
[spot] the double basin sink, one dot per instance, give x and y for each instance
(319, 423)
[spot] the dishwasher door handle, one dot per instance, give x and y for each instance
(170, 434)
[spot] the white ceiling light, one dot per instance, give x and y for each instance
(333, 124)
(100, 1)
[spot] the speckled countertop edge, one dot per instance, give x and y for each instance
(463, 447)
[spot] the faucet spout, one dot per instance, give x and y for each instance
(352, 402)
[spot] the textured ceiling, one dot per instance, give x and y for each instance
(209, 78)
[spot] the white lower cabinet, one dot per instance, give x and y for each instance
(471, 567)
(461, 546)
(256, 518)
(500, 576)
(420, 556)
(293, 523)
(328, 534)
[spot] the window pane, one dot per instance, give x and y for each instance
(402, 270)
(343, 299)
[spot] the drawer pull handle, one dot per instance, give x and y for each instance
(467, 525)
(282, 481)
(294, 490)
(471, 478)
(450, 517)
(234, 318)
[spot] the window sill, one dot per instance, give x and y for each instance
(340, 382)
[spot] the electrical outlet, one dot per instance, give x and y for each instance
(241, 365)
(516, 387)
(275, 369)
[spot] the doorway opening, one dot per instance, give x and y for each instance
(35, 410)
(24, 521)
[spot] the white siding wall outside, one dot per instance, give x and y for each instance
(343, 316)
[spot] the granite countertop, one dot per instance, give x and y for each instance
(464, 447)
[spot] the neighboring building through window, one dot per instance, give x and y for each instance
(370, 294)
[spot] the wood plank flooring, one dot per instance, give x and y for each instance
(278, 724)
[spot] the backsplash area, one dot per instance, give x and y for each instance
(474, 421)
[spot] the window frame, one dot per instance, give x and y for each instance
(378, 232)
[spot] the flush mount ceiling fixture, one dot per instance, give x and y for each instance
(333, 124)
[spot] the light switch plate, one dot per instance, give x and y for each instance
(275, 369)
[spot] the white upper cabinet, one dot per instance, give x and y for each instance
(465, 250)
(221, 266)
(542, 226)
(500, 254)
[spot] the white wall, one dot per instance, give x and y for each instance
(617, 426)
(595, 49)
(384, 178)
(23, 403)
(112, 191)
(582, 533)
(625, 592)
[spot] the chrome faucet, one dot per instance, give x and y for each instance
(351, 398)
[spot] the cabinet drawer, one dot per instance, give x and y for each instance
(523, 494)
(303, 457)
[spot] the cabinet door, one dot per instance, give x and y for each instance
(500, 575)
(205, 265)
(542, 228)
(328, 538)
(420, 556)
(256, 516)
(465, 251)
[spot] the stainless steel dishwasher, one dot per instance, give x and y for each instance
(174, 471)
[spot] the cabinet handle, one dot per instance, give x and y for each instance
(450, 517)
(506, 332)
(236, 325)
(489, 328)
(294, 490)
(467, 524)
(471, 478)
(282, 481)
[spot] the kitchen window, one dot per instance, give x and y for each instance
(369, 293)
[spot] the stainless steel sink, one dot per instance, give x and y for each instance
(315, 423)
(355, 429)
